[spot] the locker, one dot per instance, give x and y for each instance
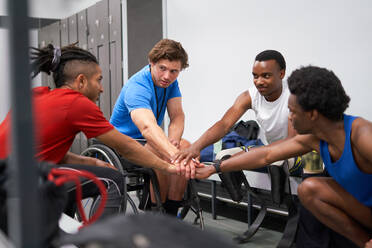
(116, 72)
(72, 29)
(99, 30)
(64, 32)
(82, 29)
(49, 34)
(98, 42)
(55, 35)
(105, 97)
(92, 27)
(43, 37)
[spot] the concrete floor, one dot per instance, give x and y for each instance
(229, 228)
(222, 226)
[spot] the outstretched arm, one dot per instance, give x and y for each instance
(72, 158)
(219, 129)
(134, 152)
(264, 155)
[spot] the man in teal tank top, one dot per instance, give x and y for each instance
(343, 201)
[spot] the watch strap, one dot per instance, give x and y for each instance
(216, 164)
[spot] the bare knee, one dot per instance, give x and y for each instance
(309, 190)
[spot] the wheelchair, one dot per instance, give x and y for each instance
(138, 179)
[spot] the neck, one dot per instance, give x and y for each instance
(330, 131)
(67, 86)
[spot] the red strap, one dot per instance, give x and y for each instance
(61, 176)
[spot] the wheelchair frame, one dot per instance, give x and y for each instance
(142, 178)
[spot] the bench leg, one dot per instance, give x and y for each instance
(214, 200)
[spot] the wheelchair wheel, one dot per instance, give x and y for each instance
(106, 154)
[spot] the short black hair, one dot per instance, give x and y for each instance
(272, 54)
(320, 89)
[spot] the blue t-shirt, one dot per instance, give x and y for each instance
(345, 171)
(139, 92)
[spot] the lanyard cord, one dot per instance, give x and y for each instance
(158, 111)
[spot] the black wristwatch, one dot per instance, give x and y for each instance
(216, 164)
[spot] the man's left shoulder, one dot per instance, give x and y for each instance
(361, 126)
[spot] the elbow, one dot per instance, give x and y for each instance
(146, 131)
(265, 156)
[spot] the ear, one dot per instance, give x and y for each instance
(314, 115)
(282, 73)
(81, 81)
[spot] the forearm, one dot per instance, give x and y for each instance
(211, 136)
(138, 154)
(176, 128)
(72, 158)
(156, 138)
(253, 159)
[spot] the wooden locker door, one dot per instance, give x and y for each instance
(116, 71)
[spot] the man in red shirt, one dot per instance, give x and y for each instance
(63, 112)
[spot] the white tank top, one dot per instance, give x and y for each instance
(271, 116)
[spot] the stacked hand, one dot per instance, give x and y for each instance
(185, 168)
(186, 155)
(204, 172)
(187, 159)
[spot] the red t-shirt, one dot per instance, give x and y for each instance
(59, 115)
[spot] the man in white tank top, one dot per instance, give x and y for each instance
(268, 98)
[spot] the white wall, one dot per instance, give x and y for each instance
(223, 37)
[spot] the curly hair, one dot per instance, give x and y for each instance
(170, 50)
(60, 62)
(272, 54)
(320, 89)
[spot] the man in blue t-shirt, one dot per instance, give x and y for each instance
(343, 201)
(139, 112)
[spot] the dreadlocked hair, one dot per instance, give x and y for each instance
(53, 60)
